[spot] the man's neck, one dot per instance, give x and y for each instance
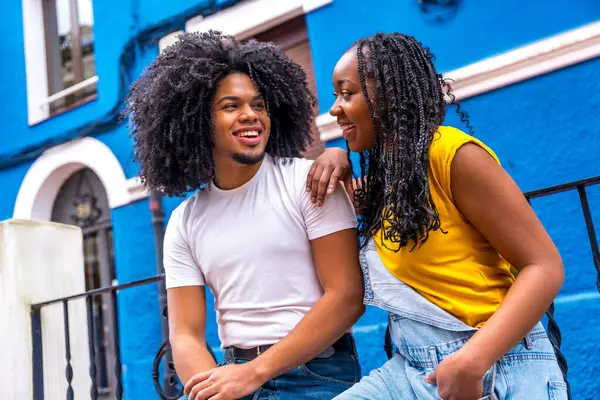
(231, 174)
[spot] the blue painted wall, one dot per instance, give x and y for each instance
(111, 32)
(138, 307)
(479, 29)
(10, 182)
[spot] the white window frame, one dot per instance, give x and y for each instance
(247, 18)
(251, 17)
(36, 66)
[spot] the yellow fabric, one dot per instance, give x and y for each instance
(458, 271)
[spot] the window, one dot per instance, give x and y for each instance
(70, 60)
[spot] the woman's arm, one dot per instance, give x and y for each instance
(331, 167)
(493, 203)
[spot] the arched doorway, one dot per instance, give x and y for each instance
(82, 201)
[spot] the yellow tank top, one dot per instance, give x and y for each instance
(458, 271)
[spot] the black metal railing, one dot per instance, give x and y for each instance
(580, 186)
(553, 330)
(171, 389)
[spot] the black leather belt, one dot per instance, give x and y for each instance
(345, 343)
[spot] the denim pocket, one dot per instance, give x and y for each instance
(557, 390)
(416, 377)
(341, 370)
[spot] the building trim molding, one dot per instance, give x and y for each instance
(526, 62)
(135, 190)
(49, 172)
(251, 17)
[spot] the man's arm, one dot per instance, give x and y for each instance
(186, 302)
(187, 327)
(335, 255)
(336, 261)
(338, 269)
(332, 233)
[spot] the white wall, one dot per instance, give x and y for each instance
(41, 261)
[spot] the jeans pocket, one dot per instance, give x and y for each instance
(328, 370)
(557, 390)
(420, 388)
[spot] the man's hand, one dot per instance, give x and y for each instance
(229, 382)
(328, 169)
(456, 379)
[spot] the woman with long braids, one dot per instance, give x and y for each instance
(450, 246)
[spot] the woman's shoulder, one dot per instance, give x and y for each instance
(446, 142)
(447, 137)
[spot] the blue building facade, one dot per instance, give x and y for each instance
(526, 72)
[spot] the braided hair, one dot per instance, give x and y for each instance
(393, 194)
(170, 107)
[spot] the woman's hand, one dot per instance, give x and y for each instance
(457, 379)
(328, 169)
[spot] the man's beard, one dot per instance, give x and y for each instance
(248, 159)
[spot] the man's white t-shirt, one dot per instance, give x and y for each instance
(251, 246)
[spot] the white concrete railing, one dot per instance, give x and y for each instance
(41, 261)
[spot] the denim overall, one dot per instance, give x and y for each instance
(424, 335)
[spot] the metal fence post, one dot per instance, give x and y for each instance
(37, 353)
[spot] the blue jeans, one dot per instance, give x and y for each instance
(318, 379)
(424, 335)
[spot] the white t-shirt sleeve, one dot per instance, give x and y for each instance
(336, 213)
(180, 267)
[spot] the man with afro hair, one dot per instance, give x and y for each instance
(229, 121)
